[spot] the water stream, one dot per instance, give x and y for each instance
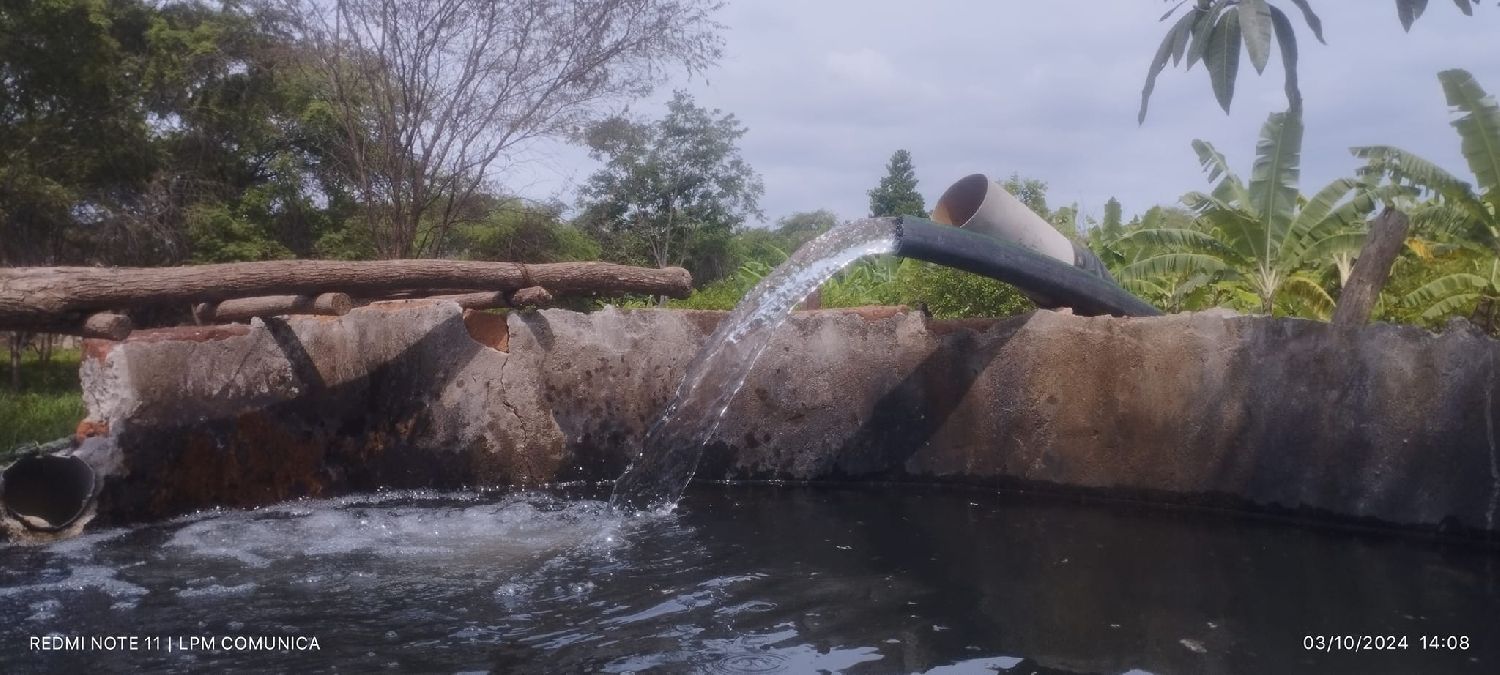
(673, 444)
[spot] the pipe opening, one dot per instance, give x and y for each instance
(47, 492)
(961, 200)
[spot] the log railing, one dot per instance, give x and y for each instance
(87, 300)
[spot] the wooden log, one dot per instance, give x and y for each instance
(1357, 300)
(244, 309)
(531, 296)
(57, 299)
(422, 294)
(486, 300)
(107, 325)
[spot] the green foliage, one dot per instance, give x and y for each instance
(1214, 31)
(349, 242)
(722, 295)
(1029, 191)
(897, 193)
(753, 253)
(49, 404)
(945, 292)
(72, 133)
(520, 231)
(1033, 193)
(133, 131)
(871, 281)
(1265, 236)
(1112, 214)
(948, 293)
(882, 280)
(1457, 293)
(799, 228)
(1456, 234)
(672, 190)
(1260, 246)
(218, 235)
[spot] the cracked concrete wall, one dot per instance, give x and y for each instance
(1387, 423)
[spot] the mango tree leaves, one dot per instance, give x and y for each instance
(1204, 30)
(1255, 25)
(1222, 57)
(1172, 46)
(1409, 11)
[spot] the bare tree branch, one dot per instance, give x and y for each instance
(431, 93)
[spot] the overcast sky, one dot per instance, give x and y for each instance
(830, 88)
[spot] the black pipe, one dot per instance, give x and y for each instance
(1057, 283)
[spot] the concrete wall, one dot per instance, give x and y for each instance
(1386, 423)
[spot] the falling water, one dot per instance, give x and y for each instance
(673, 444)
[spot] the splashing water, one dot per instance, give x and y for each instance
(675, 441)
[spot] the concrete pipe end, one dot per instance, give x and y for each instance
(47, 493)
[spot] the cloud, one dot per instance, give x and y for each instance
(862, 67)
(829, 89)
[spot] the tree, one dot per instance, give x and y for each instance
(671, 190)
(519, 230)
(1461, 216)
(1112, 214)
(1264, 237)
(430, 94)
(897, 193)
(142, 134)
(1212, 31)
(247, 168)
(799, 228)
(1029, 191)
(73, 137)
(1032, 192)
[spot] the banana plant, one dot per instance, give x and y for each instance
(1264, 235)
(1461, 213)
(1461, 216)
(1456, 293)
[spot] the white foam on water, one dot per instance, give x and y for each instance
(414, 527)
(750, 653)
(982, 665)
(82, 577)
(217, 590)
(45, 610)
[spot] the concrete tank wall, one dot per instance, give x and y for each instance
(1386, 423)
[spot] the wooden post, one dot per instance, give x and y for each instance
(531, 296)
(244, 309)
(15, 345)
(107, 325)
(1357, 300)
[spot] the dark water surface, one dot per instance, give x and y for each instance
(748, 580)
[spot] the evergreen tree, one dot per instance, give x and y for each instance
(1112, 214)
(897, 193)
